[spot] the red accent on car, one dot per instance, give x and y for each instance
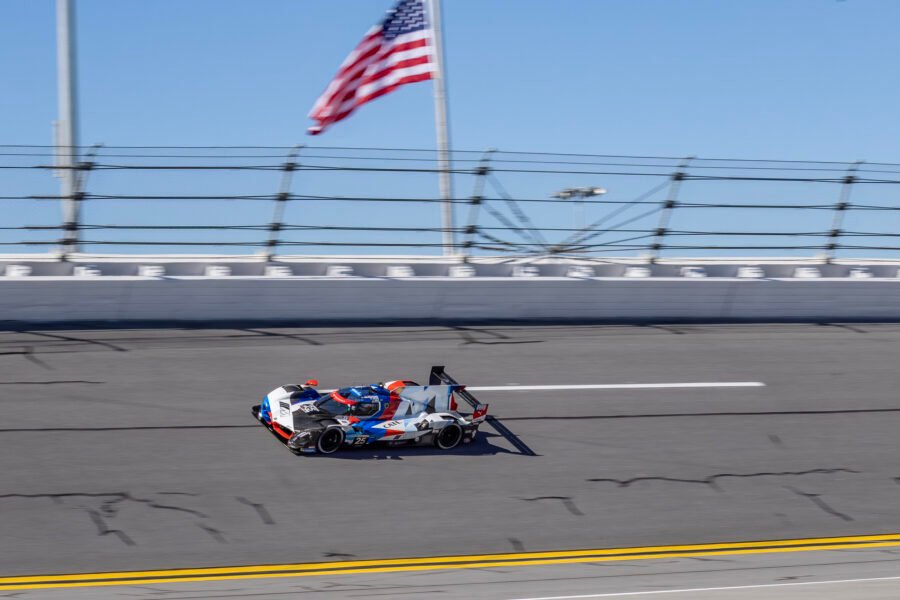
(312, 382)
(341, 399)
(281, 430)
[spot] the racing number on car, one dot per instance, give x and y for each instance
(360, 440)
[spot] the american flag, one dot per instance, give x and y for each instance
(395, 52)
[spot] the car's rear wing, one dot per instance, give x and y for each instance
(439, 376)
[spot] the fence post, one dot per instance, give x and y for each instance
(284, 192)
(72, 221)
(668, 206)
(475, 202)
(840, 210)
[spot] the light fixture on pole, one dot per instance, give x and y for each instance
(579, 193)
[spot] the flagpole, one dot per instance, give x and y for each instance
(443, 135)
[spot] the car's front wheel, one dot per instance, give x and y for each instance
(330, 440)
(449, 437)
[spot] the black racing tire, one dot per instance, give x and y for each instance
(449, 437)
(330, 441)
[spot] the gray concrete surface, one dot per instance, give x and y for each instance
(134, 449)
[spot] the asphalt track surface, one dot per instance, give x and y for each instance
(135, 449)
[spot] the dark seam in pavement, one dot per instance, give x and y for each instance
(27, 352)
(215, 533)
(54, 382)
(517, 544)
(817, 500)
(134, 428)
(291, 336)
(106, 507)
(259, 508)
(104, 529)
(566, 501)
(711, 480)
(68, 338)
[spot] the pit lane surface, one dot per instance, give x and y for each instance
(135, 449)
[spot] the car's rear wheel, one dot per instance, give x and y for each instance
(330, 440)
(449, 437)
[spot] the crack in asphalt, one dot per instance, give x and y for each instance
(53, 382)
(259, 508)
(27, 352)
(104, 529)
(215, 533)
(566, 501)
(107, 507)
(817, 500)
(110, 506)
(712, 480)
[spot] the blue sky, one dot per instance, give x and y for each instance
(789, 79)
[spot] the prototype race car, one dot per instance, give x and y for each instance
(392, 413)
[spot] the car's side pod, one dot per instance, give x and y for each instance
(439, 376)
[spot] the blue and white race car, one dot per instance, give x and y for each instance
(392, 413)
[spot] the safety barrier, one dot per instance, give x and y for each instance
(442, 291)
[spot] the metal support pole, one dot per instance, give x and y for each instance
(71, 228)
(67, 140)
(668, 206)
(840, 209)
(284, 192)
(441, 129)
(476, 200)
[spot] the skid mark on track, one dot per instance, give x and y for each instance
(712, 480)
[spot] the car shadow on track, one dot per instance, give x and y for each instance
(482, 446)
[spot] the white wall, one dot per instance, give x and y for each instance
(60, 299)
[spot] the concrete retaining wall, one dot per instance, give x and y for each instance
(378, 299)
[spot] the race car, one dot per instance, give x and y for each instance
(392, 413)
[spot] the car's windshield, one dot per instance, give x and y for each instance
(333, 407)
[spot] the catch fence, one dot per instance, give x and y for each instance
(274, 201)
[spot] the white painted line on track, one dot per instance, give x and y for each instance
(713, 589)
(615, 386)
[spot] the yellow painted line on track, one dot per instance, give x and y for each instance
(443, 562)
